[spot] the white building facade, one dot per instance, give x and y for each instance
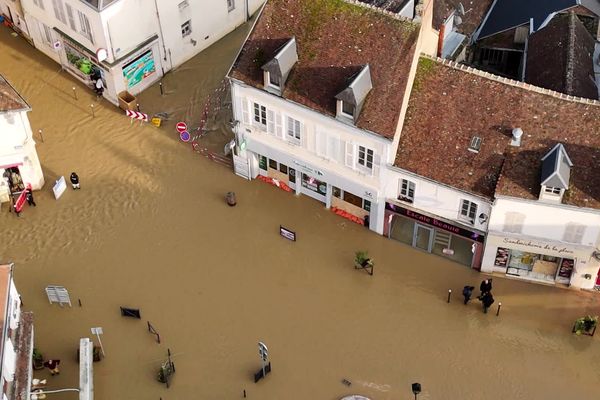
(311, 153)
(434, 217)
(129, 44)
(544, 242)
(19, 162)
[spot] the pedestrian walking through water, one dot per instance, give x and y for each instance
(487, 299)
(29, 197)
(74, 180)
(52, 365)
(468, 292)
(485, 287)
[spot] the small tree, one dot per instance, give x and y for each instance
(585, 325)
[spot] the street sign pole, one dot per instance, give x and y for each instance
(98, 331)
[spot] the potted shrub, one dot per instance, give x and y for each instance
(586, 325)
(37, 359)
(362, 259)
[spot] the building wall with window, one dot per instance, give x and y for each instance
(12, 10)
(541, 241)
(434, 217)
(344, 161)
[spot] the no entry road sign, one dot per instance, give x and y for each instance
(181, 127)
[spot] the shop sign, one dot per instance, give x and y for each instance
(435, 222)
(139, 69)
(537, 245)
(308, 169)
(286, 233)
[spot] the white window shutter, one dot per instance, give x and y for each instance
(271, 122)
(322, 143)
(333, 148)
(350, 154)
(245, 112)
(279, 126)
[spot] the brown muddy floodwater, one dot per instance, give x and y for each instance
(150, 230)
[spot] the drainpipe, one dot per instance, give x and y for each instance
(161, 32)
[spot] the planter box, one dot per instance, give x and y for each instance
(127, 101)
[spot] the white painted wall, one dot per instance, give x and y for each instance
(435, 198)
(13, 8)
(16, 143)
(210, 21)
(546, 221)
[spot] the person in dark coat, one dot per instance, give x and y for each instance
(29, 197)
(468, 292)
(52, 365)
(485, 287)
(487, 299)
(74, 180)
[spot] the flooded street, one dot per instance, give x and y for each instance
(150, 229)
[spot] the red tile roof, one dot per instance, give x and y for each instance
(449, 106)
(10, 100)
(335, 39)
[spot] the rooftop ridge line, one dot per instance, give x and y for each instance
(379, 10)
(512, 82)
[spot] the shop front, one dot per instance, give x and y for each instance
(434, 235)
(534, 260)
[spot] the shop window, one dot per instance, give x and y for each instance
(402, 230)
(365, 158)
(262, 162)
(260, 115)
(293, 130)
(468, 210)
(337, 192)
(186, 28)
(230, 5)
(574, 232)
(283, 168)
(513, 222)
(272, 164)
(549, 258)
(71, 17)
(407, 191)
(314, 184)
(292, 175)
(353, 199)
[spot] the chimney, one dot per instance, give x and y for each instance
(517, 133)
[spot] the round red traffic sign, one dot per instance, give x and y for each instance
(181, 127)
(185, 136)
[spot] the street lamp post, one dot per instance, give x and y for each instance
(416, 389)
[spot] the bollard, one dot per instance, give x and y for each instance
(161, 88)
(75, 93)
(449, 293)
(41, 135)
(79, 300)
(498, 311)
(244, 393)
(93, 115)
(231, 201)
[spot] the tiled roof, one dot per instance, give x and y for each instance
(560, 57)
(394, 6)
(10, 100)
(475, 11)
(449, 106)
(335, 40)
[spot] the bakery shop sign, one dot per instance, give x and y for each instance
(537, 245)
(435, 222)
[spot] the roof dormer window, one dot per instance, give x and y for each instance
(351, 99)
(276, 71)
(556, 173)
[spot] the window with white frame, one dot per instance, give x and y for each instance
(39, 3)
(468, 211)
(347, 109)
(407, 191)
(365, 157)
(574, 232)
(186, 28)
(230, 5)
(71, 17)
(274, 80)
(260, 115)
(552, 190)
(293, 130)
(59, 10)
(513, 222)
(84, 25)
